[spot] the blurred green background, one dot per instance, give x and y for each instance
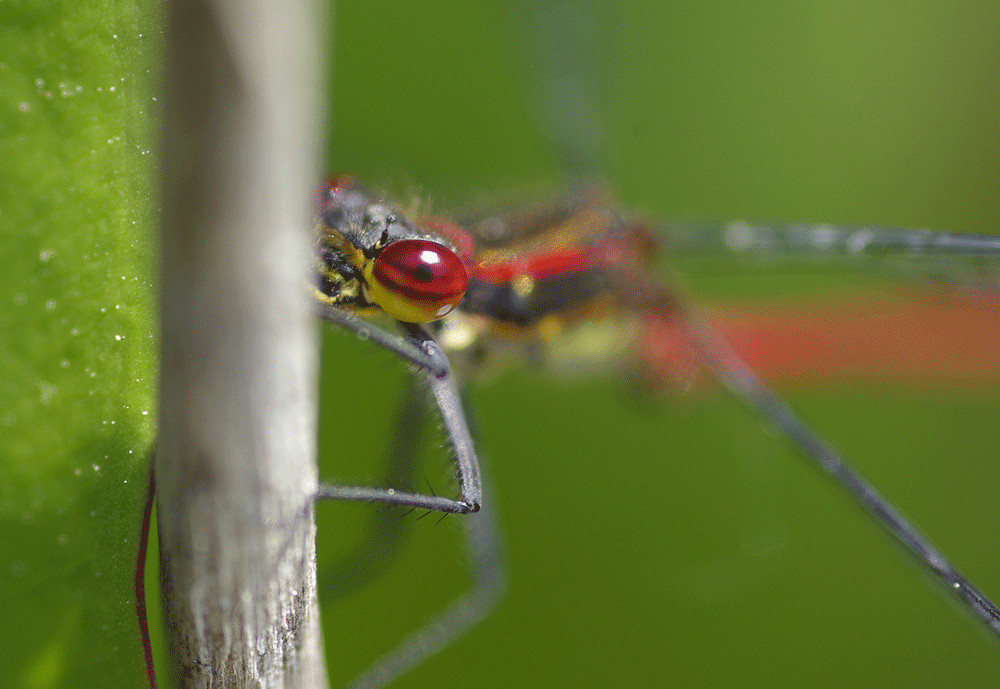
(678, 541)
(653, 541)
(78, 344)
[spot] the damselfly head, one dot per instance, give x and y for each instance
(374, 256)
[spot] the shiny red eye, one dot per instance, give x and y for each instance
(416, 280)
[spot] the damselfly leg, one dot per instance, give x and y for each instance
(381, 542)
(420, 348)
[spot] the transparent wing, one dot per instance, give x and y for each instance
(961, 259)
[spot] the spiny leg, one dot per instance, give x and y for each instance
(481, 538)
(487, 587)
(419, 348)
(384, 535)
(413, 350)
(737, 377)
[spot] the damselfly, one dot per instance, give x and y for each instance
(682, 542)
(566, 285)
(636, 557)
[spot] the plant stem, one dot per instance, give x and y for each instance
(235, 466)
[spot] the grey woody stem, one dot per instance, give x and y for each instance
(235, 466)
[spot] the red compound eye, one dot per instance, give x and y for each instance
(416, 280)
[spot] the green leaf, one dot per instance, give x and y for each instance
(77, 336)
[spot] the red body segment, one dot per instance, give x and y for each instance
(546, 264)
(944, 337)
